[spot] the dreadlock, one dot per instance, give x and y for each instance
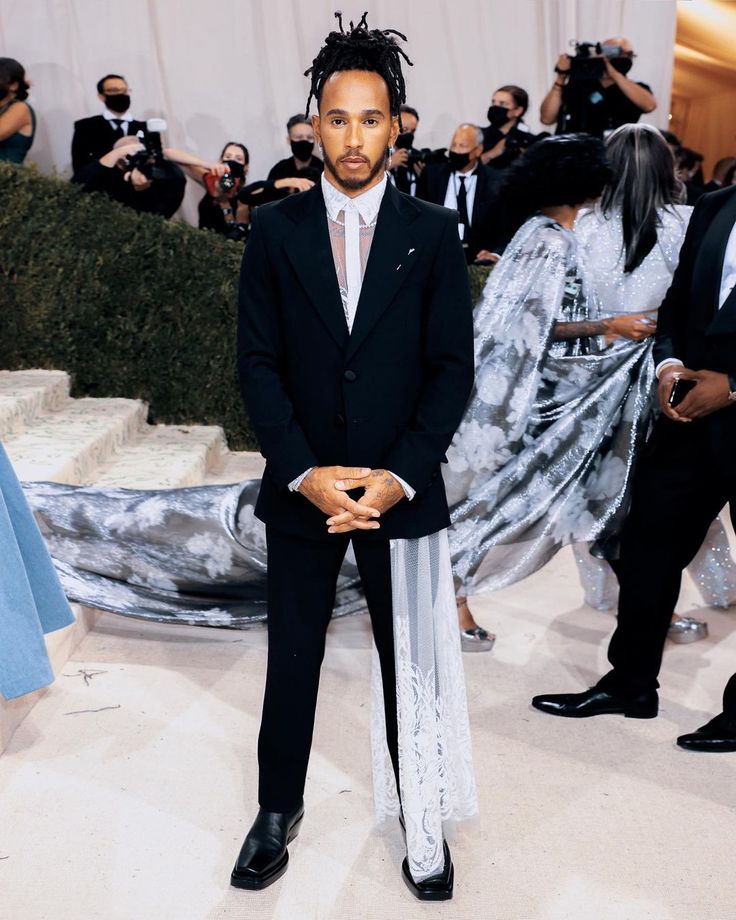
(361, 48)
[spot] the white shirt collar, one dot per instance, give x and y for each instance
(115, 116)
(367, 204)
(467, 175)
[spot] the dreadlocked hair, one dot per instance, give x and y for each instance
(361, 48)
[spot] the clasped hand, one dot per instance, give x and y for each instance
(709, 394)
(326, 487)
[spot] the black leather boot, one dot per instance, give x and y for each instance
(263, 857)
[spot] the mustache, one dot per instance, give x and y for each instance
(352, 156)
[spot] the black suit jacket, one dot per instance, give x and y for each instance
(690, 326)
(94, 137)
(432, 186)
(388, 395)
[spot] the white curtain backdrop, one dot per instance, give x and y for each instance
(220, 71)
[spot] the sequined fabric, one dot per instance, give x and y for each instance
(545, 452)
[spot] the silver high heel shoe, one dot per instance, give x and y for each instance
(687, 629)
(476, 639)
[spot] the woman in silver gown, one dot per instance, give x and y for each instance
(545, 453)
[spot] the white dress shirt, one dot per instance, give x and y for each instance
(728, 281)
(124, 119)
(453, 187)
(358, 213)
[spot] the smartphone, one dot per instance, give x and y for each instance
(680, 389)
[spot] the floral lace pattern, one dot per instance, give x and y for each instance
(435, 751)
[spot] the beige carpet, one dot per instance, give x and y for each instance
(126, 792)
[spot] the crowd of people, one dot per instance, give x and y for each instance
(586, 400)
(115, 153)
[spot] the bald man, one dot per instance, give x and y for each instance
(465, 185)
(596, 104)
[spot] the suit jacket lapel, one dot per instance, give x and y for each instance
(392, 256)
(310, 252)
(709, 270)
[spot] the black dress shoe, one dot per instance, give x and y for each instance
(263, 857)
(718, 736)
(436, 887)
(595, 702)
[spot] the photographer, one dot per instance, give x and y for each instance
(302, 163)
(138, 177)
(404, 167)
(219, 208)
(591, 92)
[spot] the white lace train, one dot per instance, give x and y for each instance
(435, 752)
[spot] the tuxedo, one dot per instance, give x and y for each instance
(384, 387)
(685, 475)
(432, 185)
(96, 136)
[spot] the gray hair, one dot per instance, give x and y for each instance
(644, 182)
(478, 131)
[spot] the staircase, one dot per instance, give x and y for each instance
(51, 437)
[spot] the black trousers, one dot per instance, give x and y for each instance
(682, 482)
(301, 585)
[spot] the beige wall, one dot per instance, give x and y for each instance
(704, 82)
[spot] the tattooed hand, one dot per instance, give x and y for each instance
(382, 492)
(319, 487)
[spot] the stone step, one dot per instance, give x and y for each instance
(235, 467)
(164, 457)
(68, 445)
(24, 395)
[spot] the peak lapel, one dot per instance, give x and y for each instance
(392, 256)
(310, 252)
(710, 269)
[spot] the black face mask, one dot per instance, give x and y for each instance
(118, 102)
(458, 160)
(622, 64)
(497, 115)
(302, 150)
(405, 141)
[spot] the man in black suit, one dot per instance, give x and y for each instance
(355, 358)
(720, 171)
(464, 185)
(684, 478)
(95, 136)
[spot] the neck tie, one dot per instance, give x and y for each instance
(352, 261)
(118, 126)
(462, 204)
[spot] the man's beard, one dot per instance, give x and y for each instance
(351, 183)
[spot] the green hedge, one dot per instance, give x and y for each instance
(128, 304)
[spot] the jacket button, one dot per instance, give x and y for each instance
(350, 376)
(340, 421)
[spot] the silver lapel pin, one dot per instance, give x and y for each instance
(398, 266)
(410, 252)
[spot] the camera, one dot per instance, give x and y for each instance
(150, 160)
(587, 62)
(231, 182)
(427, 156)
(234, 178)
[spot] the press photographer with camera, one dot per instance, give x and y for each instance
(406, 163)
(591, 92)
(219, 208)
(142, 175)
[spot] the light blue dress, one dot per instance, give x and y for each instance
(31, 599)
